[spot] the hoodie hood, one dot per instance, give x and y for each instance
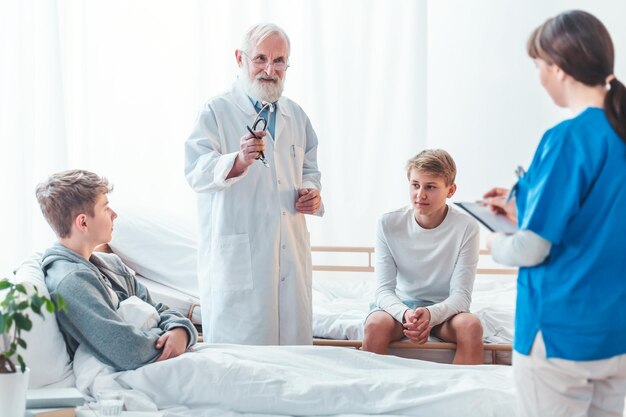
(59, 252)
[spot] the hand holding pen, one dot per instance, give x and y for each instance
(501, 201)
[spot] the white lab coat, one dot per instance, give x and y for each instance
(254, 259)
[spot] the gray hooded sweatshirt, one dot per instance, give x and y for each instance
(91, 318)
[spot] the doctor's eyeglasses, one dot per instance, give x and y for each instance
(261, 62)
(260, 124)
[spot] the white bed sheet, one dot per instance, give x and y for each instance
(310, 380)
(341, 304)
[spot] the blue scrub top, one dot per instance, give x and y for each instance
(574, 195)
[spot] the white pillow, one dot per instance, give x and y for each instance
(46, 354)
(160, 246)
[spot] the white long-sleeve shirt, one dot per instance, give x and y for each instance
(524, 248)
(434, 267)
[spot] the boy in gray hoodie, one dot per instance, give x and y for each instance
(76, 206)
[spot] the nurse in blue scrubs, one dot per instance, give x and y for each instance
(570, 324)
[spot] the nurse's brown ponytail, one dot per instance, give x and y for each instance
(579, 44)
(615, 107)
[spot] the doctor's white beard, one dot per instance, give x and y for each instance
(268, 92)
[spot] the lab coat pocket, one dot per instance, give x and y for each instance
(231, 264)
(298, 156)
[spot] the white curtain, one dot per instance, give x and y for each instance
(114, 87)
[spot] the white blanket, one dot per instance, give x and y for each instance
(340, 306)
(308, 380)
(299, 380)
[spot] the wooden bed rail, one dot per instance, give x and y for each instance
(404, 344)
(369, 267)
(345, 249)
(493, 348)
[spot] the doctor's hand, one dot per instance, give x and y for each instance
(496, 199)
(173, 342)
(417, 326)
(309, 201)
(249, 149)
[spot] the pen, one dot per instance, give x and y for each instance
(261, 156)
(511, 193)
(519, 173)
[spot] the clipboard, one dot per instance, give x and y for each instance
(494, 222)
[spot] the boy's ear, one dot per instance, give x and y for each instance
(80, 222)
(451, 190)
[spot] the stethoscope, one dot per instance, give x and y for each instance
(255, 126)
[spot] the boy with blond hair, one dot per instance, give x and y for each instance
(93, 285)
(426, 258)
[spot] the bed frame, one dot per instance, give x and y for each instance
(497, 353)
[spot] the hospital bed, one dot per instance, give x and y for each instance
(235, 380)
(231, 380)
(343, 287)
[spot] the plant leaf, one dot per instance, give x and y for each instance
(49, 306)
(23, 322)
(21, 288)
(4, 284)
(23, 305)
(22, 343)
(36, 308)
(3, 324)
(36, 300)
(20, 360)
(8, 298)
(61, 304)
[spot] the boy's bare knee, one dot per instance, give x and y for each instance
(469, 328)
(375, 328)
(378, 333)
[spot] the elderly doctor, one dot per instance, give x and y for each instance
(254, 187)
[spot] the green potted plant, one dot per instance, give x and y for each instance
(15, 306)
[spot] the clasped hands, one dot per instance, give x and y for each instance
(417, 324)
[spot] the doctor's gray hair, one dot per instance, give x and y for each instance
(259, 32)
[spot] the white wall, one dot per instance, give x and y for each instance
(485, 103)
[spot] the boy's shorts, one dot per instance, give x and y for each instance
(411, 304)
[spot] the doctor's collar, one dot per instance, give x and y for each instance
(258, 104)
